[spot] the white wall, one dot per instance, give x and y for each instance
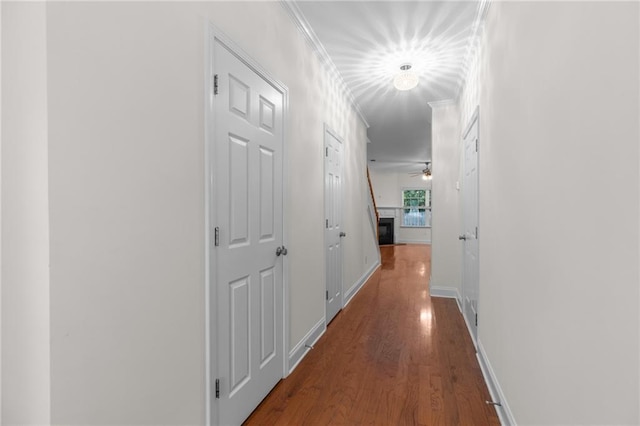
(25, 226)
(387, 188)
(360, 245)
(0, 215)
(559, 131)
(446, 249)
(126, 142)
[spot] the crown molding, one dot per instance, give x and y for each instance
(440, 104)
(316, 45)
(484, 9)
(473, 47)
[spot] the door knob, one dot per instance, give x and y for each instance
(342, 234)
(279, 251)
(284, 251)
(462, 237)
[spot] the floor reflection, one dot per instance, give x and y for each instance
(388, 255)
(426, 318)
(393, 356)
(422, 269)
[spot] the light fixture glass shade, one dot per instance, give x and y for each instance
(405, 79)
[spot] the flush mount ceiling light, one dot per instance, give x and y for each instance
(406, 79)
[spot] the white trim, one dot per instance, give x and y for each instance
(327, 130)
(474, 41)
(372, 216)
(209, 262)
(300, 350)
(1, 248)
(440, 104)
(405, 241)
(212, 33)
(316, 45)
(247, 59)
(385, 211)
(504, 412)
(484, 10)
(286, 195)
(349, 294)
(374, 225)
(474, 339)
(446, 292)
(474, 117)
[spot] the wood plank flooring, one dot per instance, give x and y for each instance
(393, 356)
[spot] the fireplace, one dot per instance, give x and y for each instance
(385, 231)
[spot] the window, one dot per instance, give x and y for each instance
(416, 208)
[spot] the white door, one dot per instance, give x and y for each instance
(248, 219)
(470, 273)
(334, 231)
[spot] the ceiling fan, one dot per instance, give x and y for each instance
(404, 166)
(425, 173)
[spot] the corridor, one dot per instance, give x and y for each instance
(393, 356)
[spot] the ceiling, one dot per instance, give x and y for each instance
(369, 40)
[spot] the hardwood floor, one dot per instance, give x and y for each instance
(393, 356)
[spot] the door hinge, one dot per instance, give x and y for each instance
(476, 145)
(216, 238)
(326, 152)
(476, 232)
(327, 295)
(326, 223)
(476, 320)
(217, 388)
(215, 84)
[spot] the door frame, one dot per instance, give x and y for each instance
(475, 118)
(212, 35)
(329, 130)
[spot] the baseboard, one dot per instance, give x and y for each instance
(348, 295)
(504, 412)
(300, 350)
(448, 292)
(403, 241)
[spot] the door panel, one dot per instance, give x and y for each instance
(267, 176)
(333, 223)
(238, 97)
(239, 190)
(239, 332)
(470, 275)
(267, 114)
(267, 316)
(247, 184)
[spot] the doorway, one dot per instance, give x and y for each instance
(470, 262)
(245, 241)
(334, 232)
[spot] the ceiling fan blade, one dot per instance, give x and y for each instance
(398, 166)
(400, 161)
